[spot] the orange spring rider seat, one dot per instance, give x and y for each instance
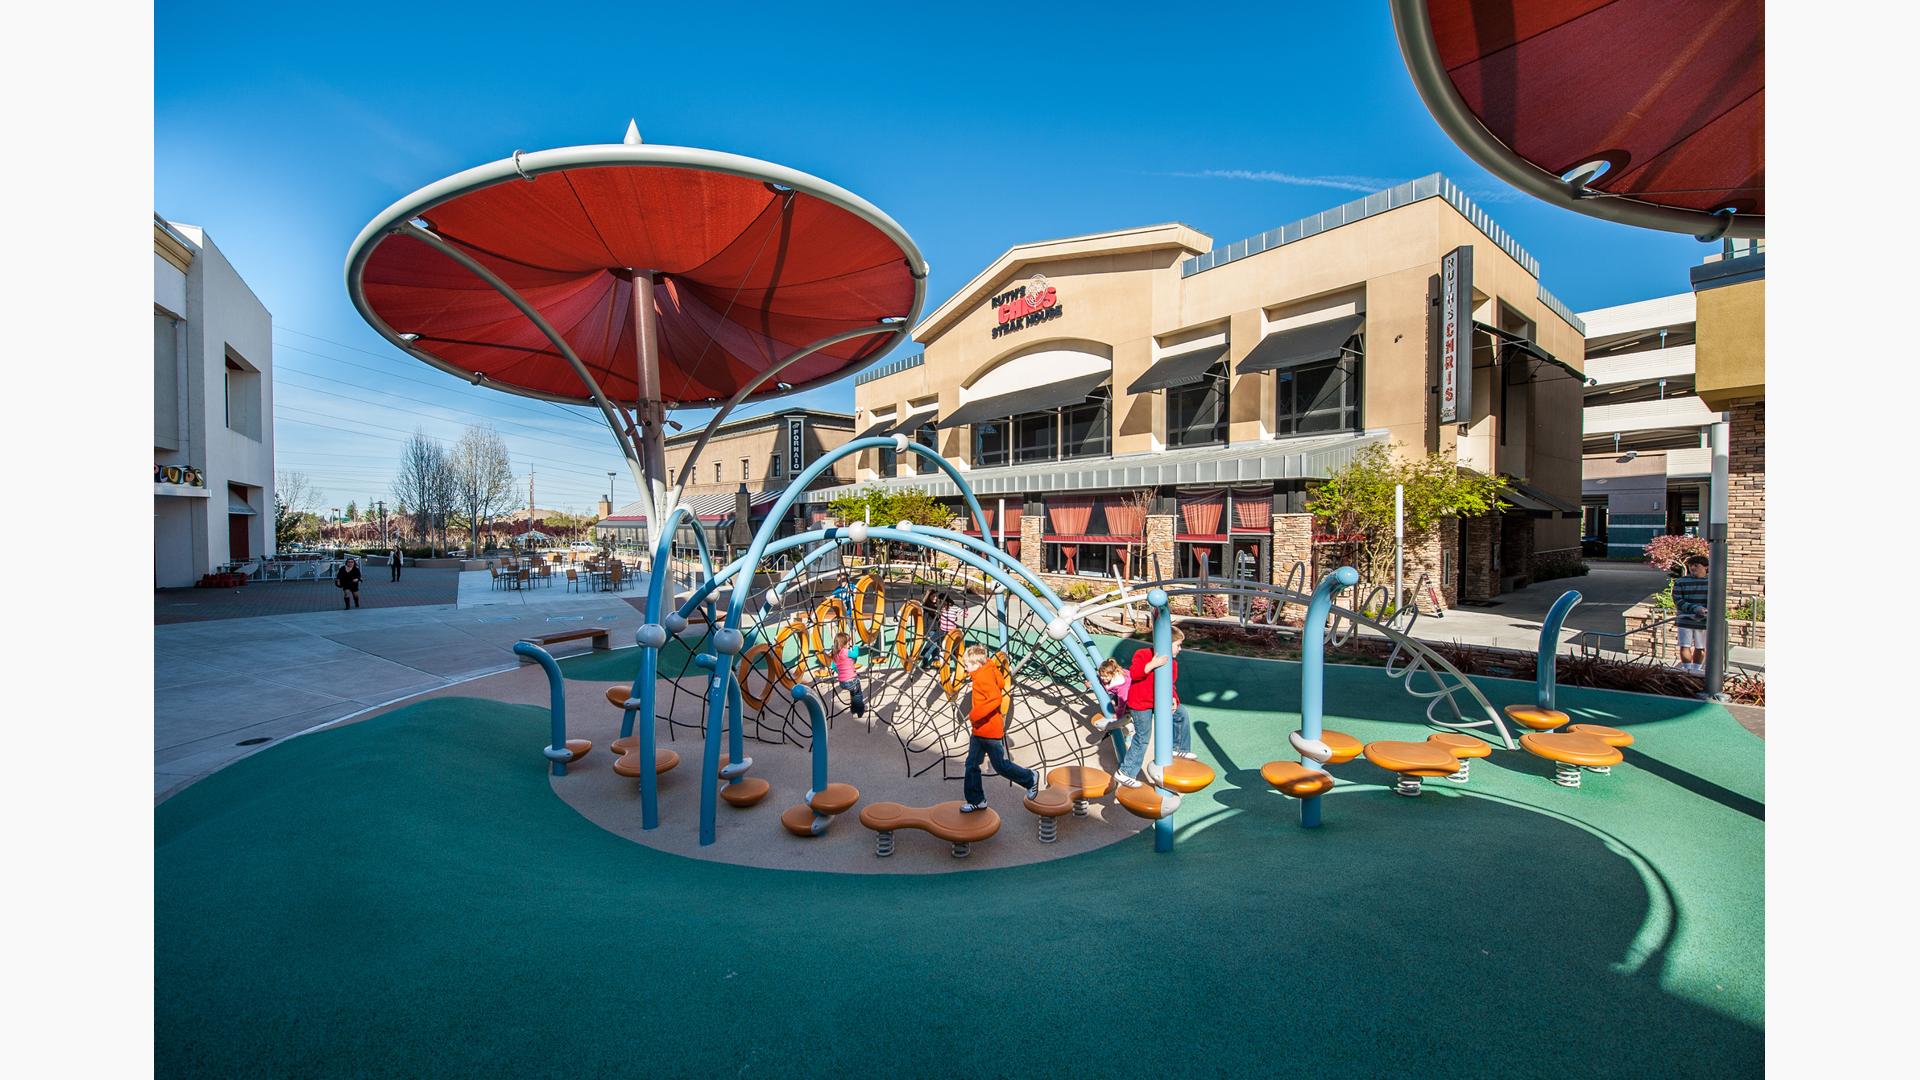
(1413, 761)
(1572, 751)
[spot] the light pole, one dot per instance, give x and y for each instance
(610, 476)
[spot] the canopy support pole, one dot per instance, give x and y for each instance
(650, 412)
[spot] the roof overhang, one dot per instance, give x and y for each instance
(1413, 23)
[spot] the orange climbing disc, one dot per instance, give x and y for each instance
(835, 799)
(1608, 735)
(1574, 749)
(629, 762)
(1083, 782)
(1145, 801)
(1345, 747)
(1293, 778)
(1461, 746)
(1186, 775)
(1535, 717)
(1413, 758)
(750, 790)
(1051, 802)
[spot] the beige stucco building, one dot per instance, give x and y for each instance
(1113, 387)
(761, 454)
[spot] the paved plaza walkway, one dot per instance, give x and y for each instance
(244, 670)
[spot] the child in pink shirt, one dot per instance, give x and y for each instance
(844, 672)
(1113, 676)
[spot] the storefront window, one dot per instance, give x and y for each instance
(889, 461)
(1034, 437)
(990, 444)
(1087, 560)
(1319, 397)
(1086, 428)
(1193, 557)
(1197, 414)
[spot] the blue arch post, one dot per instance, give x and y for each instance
(650, 637)
(1313, 664)
(1162, 707)
(557, 751)
(1549, 657)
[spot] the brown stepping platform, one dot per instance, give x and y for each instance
(1610, 736)
(1186, 775)
(1146, 801)
(1345, 747)
(750, 790)
(835, 799)
(617, 696)
(1571, 748)
(943, 820)
(799, 820)
(1051, 802)
(1535, 717)
(1413, 758)
(579, 748)
(628, 764)
(626, 745)
(1080, 781)
(1295, 779)
(1461, 746)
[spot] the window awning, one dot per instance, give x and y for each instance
(878, 427)
(717, 506)
(1302, 345)
(914, 420)
(1509, 339)
(1537, 502)
(237, 504)
(1049, 396)
(1184, 369)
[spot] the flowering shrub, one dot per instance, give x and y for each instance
(1213, 605)
(1260, 607)
(1670, 553)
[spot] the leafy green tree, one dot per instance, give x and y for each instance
(1357, 500)
(891, 507)
(353, 510)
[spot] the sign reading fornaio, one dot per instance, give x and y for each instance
(1025, 305)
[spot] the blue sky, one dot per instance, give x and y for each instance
(283, 129)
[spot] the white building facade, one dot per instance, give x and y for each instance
(1644, 447)
(212, 411)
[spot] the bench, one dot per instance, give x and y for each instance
(943, 820)
(602, 639)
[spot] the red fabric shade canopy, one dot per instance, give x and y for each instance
(1670, 94)
(753, 263)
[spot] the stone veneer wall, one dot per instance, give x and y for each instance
(1480, 563)
(1746, 501)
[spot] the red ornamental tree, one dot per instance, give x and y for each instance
(1670, 553)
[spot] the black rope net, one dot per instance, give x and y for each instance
(910, 620)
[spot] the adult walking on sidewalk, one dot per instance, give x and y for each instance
(393, 563)
(348, 579)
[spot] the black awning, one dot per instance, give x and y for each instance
(1183, 370)
(1509, 340)
(913, 420)
(1302, 345)
(1048, 396)
(878, 427)
(1537, 502)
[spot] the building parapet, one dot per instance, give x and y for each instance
(894, 368)
(1431, 186)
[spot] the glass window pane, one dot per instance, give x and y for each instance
(1034, 437)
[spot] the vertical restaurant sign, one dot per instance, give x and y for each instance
(1456, 332)
(796, 444)
(1022, 306)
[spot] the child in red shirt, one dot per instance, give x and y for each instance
(988, 715)
(1144, 672)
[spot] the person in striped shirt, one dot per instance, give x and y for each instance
(1690, 597)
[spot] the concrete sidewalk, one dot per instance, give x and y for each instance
(220, 683)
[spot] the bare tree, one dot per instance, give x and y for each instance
(482, 477)
(422, 482)
(293, 494)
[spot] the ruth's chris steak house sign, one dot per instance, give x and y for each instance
(1025, 305)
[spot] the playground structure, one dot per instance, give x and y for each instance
(638, 278)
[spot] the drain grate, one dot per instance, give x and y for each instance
(254, 741)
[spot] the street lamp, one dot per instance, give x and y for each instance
(610, 476)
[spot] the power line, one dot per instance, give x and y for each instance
(418, 405)
(395, 438)
(591, 421)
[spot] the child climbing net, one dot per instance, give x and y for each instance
(910, 619)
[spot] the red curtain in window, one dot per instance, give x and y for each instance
(1123, 520)
(1252, 511)
(1201, 513)
(1069, 515)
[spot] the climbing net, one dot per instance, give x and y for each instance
(908, 659)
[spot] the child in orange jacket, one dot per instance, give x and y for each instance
(988, 715)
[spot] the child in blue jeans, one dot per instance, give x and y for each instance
(845, 674)
(1144, 672)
